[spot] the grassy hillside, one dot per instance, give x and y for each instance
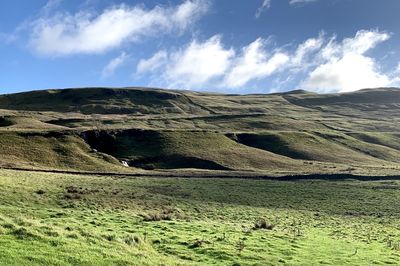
(99, 101)
(53, 151)
(326, 147)
(185, 149)
(378, 96)
(368, 103)
(162, 129)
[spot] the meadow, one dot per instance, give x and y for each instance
(62, 219)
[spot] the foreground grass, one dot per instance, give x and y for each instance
(55, 219)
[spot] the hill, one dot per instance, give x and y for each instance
(95, 129)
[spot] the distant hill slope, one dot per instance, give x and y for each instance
(157, 101)
(373, 102)
(296, 131)
(100, 101)
(377, 96)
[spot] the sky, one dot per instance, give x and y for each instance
(227, 46)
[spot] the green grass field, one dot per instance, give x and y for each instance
(58, 219)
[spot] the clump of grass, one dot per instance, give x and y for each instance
(22, 222)
(166, 214)
(72, 196)
(73, 236)
(110, 237)
(222, 237)
(155, 217)
(198, 243)
(262, 224)
(85, 233)
(49, 231)
(24, 234)
(131, 240)
(71, 189)
(8, 226)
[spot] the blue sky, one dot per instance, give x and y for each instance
(231, 46)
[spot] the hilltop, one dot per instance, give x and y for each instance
(95, 129)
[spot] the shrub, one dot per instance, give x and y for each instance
(262, 224)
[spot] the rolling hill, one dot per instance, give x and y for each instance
(95, 129)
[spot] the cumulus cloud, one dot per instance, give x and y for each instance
(114, 64)
(254, 63)
(198, 63)
(266, 4)
(346, 67)
(322, 64)
(349, 73)
(85, 32)
(202, 62)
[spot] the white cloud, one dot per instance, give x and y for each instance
(198, 63)
(153, 63)
(349, 73)
(364, 41)
(254, 63)
(113, 65)
(344, 66)
(266, 4)
(188, 12)
(321, 64)
(306, 49)
(85, 32)
(293, 2)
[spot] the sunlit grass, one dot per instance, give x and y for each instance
(55, 219)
